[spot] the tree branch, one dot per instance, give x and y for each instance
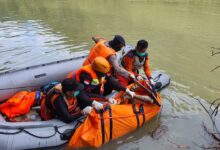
(178, 145)
(215, 48)
(215, 68)
(214, 53)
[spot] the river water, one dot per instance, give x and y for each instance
(181, 33)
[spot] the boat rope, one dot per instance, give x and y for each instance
(56, 130)
(28, 132)
(157, 77)
(11, 133)
(22, 87)
(43, 137)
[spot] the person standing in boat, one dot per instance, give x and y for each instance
(108, 49)
(98, 80)
(67, 101)
(133, 61)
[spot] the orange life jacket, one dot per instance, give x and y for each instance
(99, 49)
(48, 108)
(95, 80)
(20, 103)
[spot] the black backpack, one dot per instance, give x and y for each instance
(46, 88)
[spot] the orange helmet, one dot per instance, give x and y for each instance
(100, 64)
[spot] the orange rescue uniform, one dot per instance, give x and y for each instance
(48, 107)
(132, 63)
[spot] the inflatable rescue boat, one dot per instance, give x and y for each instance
(107, 125)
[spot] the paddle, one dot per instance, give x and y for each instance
(150, 93)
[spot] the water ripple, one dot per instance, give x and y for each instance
(24, 43)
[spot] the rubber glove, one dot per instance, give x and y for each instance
(132, 76)
(140, 78)
(112, 101)
(87, 110)
(152, 82)
(132, 94)
(97, 105)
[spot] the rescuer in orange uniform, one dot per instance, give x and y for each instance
(98, 80)
(134, 60)
(108, 49)
(67, 101)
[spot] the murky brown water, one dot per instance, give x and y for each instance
(181, 35)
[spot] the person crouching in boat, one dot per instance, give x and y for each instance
(108, 49)
(98, 80)
(67, 101)
(133, 61)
